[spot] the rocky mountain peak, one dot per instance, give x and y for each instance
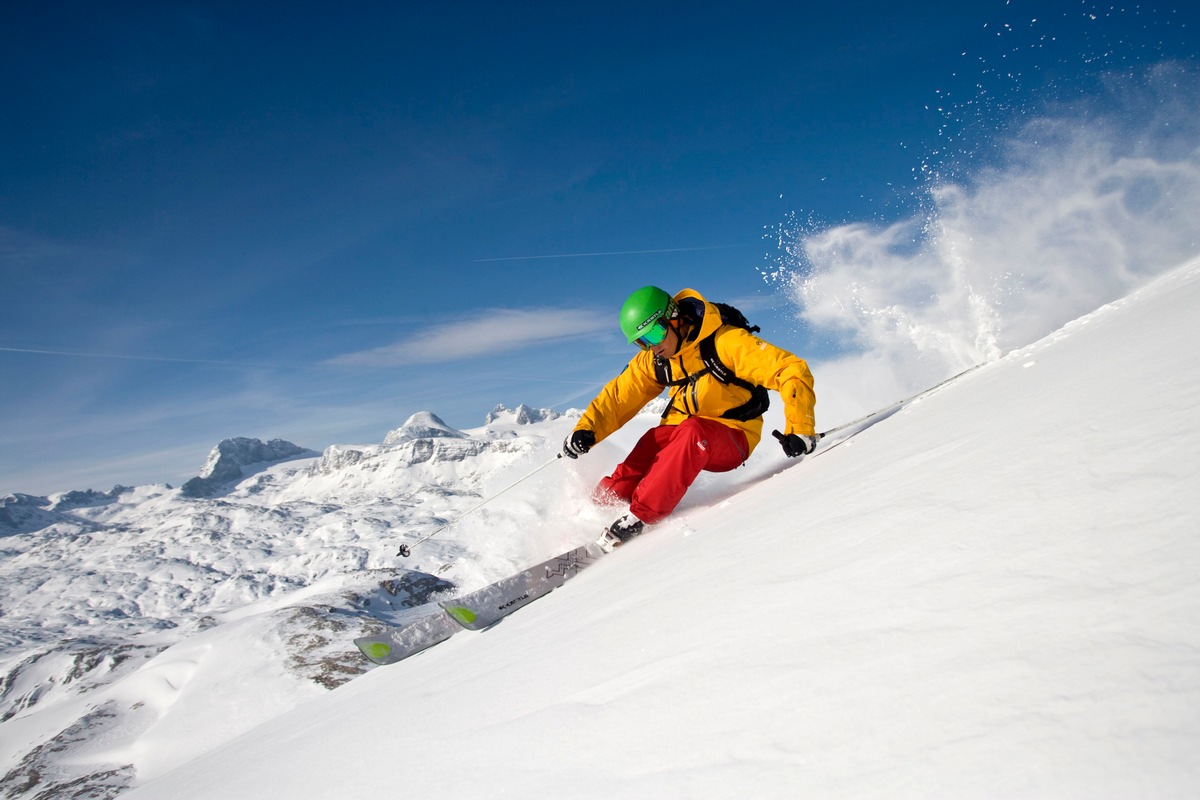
(228, 459)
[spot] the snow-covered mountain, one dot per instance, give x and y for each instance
(233, 459)
(271, 549)
(994, 592)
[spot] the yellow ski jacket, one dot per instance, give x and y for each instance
(750, 359)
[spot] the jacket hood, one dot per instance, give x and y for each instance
(710, 323)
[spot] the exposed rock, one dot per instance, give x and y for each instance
(228, 459)
(87, 499)
(521, 415)
(336, 458)
(23, 513)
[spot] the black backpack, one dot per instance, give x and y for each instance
(759, 400)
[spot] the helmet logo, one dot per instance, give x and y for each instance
(649, 320)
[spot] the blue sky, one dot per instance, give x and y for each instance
(309, 221)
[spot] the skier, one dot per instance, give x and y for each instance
(718, 372)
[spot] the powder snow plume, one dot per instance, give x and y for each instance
(1084, 202)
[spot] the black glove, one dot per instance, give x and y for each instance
(796, 444)
(578, 443)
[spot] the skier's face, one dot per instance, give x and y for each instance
(669, 346)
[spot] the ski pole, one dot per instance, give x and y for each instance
(406, 549)
(896, 405)
(899, 403)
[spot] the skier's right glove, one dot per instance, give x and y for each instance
(796, 444)
(578, 443)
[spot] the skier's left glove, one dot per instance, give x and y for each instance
(796, 444)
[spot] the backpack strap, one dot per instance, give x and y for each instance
(756, 406)
(760, 399)
(662, 373)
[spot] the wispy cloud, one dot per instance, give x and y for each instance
(492, 331)
(125, 357)
(611, 253)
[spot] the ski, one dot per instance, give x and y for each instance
(477, 610)
(487, 606)
(400, 642)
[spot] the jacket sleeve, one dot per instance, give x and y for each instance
(622, 398)
(762, 363)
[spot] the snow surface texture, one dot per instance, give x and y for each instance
(992, 593)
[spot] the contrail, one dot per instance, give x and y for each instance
(77, 354)
(613, 253)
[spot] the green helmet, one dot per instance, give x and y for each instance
(643, 308)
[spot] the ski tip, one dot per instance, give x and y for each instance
(374, 650)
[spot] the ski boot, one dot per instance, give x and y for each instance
(620, 532)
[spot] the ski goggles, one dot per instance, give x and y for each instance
(654, 336)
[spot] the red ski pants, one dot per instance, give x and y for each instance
(665, 461)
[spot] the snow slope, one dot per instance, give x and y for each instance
(994, 593)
